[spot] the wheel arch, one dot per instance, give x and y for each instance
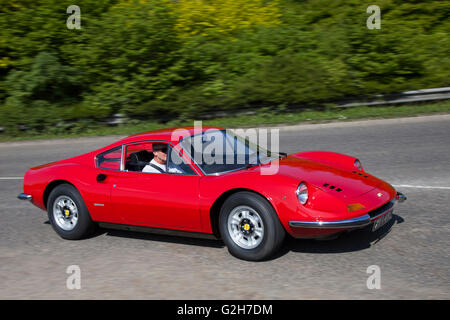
(52, 185)
(215, 208)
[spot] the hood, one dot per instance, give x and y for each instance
(335, 181)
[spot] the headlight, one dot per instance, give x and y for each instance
(358, 165)
(302, 193)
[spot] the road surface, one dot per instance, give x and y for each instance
(413, 154)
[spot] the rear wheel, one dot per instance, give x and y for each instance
(250, 227)
(68, 213)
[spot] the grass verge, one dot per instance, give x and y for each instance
(257, 118)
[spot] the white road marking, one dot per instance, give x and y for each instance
(420, 187)
(11, 178)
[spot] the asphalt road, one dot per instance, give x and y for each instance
(412, 252)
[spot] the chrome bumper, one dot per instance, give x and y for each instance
(357, 222)
(24, 196)
(335, 224)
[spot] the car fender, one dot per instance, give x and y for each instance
(278, 190)
(37, 180)
(329, 158)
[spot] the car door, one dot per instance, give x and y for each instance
(97, 194)
(162, 200)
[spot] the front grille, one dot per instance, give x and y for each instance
(382, 209)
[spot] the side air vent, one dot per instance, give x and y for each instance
(327, 185)
(360, 174)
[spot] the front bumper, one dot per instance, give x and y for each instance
(357, 222)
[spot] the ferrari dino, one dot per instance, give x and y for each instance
(174, 181)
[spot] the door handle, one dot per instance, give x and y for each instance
(101, 177)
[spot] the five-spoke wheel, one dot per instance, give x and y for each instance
(245, 227)
(250, 227)
(65, 212)
(68, 213)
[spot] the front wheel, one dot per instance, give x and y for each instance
(250, 227)
(68, 213)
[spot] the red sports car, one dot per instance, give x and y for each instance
(175, 181)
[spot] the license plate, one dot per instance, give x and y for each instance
(377, 224)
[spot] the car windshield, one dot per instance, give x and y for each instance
(220, 150)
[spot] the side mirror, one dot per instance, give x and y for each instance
(101, 177)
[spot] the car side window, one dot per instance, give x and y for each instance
(176, 164)
(110, 159)
(138, 158)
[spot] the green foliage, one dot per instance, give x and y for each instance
(163, 60)
(127, 56)
(225, 17)
(37, 97)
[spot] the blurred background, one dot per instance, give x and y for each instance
(167, 61)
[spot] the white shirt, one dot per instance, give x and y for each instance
(149, 168)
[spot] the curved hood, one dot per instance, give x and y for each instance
(338, 182)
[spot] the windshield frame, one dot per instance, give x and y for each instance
(269, 154)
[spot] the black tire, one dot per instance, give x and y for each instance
(273, 235)
(84, 225)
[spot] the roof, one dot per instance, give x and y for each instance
(168, 134)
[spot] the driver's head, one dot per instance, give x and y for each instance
(160, 152)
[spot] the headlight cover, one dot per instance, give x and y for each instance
(302, 193)
(358, 165)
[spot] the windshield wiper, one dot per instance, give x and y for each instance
(249, 165)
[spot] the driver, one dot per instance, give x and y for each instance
(159, 161)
